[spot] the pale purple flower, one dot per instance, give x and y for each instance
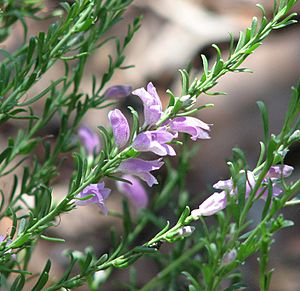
(213, 204)
(135, 191)
(141, 169)
(120, 127)
(274, 173)
(191, 125)
(155, 141)
(89, 139)
(279, 171)
(218, 201)
(116, 92)
(100, 195)
(152, 104)
(228, 184)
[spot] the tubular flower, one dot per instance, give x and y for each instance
(211, 205)
(155, 141)
(191, 125)
(120, 127)
(141, 169)
(89, 139)
(151, 102)
(228, 185)
(135, 191)
(274, 173)
(217, 201)
(279, 171)
(100, 195)
(117, 92)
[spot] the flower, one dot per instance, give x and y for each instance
(228, 184)
(141, 169)
(120, 127)
(191, 125)
(279, 171)
(211, 205)
(100, 195)
(274, 173)
(116, 92)
(217, 201)
(154, 141)
(135, 191)
(151, 102)
(89, 139)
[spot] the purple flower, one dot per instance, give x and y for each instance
(100, 195)
(218, 201)
(141, 169)
(116, 92)
(120, 127)
(279, 171)
(152, 104)
(135, 191)
(213, 204)
(274, 173)
(228, 184)
(191, 125)
(155, 141)
(89, 139)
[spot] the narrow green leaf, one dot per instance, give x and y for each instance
(263, 110)
(43, 277)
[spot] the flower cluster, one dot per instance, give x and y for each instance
(152, 138)
(218, 200)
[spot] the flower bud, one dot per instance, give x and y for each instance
(185, 231)
(117, 92)
(229, 257)
(120, 127)
(294, 137)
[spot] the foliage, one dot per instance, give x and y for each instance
(203, 256)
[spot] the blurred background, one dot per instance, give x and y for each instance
(173, 35)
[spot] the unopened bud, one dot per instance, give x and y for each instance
(185, 231)
(229, 257)
(295, 136)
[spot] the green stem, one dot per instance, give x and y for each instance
(175, 265)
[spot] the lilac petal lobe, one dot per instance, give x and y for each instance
(89, 139)
(135, 191)
(118, 91)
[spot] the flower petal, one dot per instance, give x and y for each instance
(135, 191)
(118, 91)
(140, 168)
(89, 139)
(213, 204)
(152, 104)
